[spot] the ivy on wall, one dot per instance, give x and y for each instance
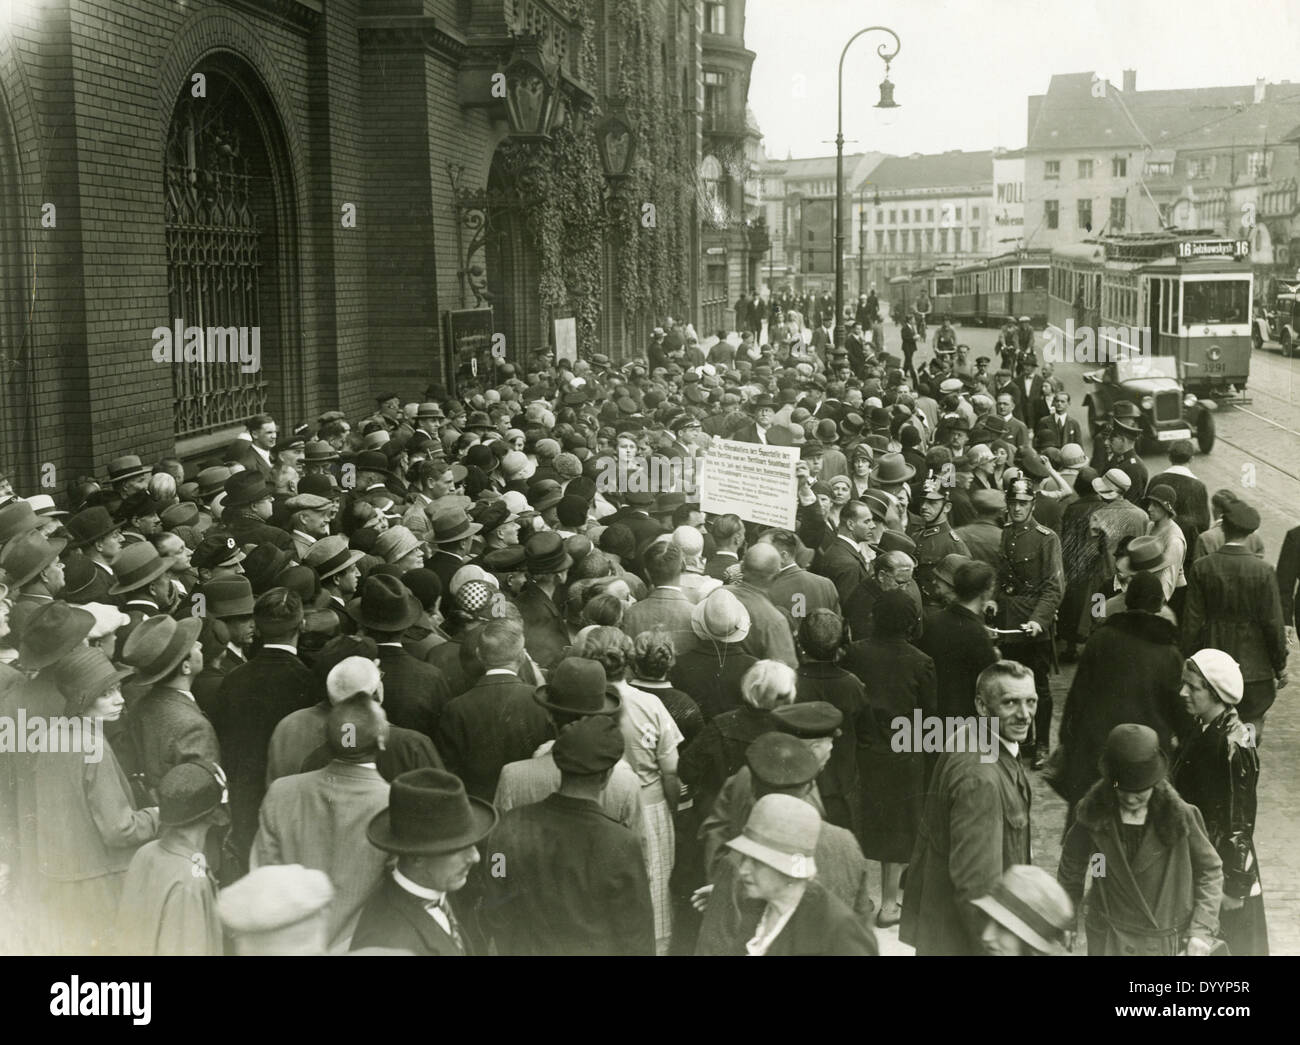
(561, 191)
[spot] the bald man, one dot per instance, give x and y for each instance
(694, 581)
(319, 819)
(772, 627)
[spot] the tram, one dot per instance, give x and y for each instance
(936, 281)
(1181, 294)
(988, 291)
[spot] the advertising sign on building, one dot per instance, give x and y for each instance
(1008, 196)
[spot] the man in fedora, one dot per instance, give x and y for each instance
(799, 916)
(1119, 515)
(415, 692)
(128, 475)
(169, 897)
(577, 688)
(18, 518)
(32, 563)
(253, 698)
(496, 721)
(336, 566)
(139, 517)
(761, 427)
(433, 828)
(318, 818)
(167, 725)
(453, 534)
(1028, 914)
(247, 508)
(94, 533)
(541, 599)
(143, 588)
(229, 600)
(576, 881)
(253, 448)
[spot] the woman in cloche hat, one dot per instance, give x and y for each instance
(86, 825)
(1217, 770)
(1157, 881)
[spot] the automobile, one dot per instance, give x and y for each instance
(1168, 412)
(1281, 323)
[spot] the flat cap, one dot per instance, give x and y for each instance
(1242, 516)
(816, 718)
(780, 760)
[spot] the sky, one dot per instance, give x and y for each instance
(966, 68)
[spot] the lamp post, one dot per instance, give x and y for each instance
(886, 102)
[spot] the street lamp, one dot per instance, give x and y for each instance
(531, 91)
(886, 102)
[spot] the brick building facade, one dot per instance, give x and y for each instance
(292, 167)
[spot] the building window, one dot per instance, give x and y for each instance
(893, 241)
(1160, 169)
(880, 217)
(1052, 169)
(1118, 210)
(958, 214)
(974, 240)
(715, 18)
(1052, 213)
(929, 214)
(1200, 166)
(943, 241)
(1085, 214)
(916, 215)
(221, 238)
(1119, 167)
(974, 214)
(929, 239)
(880, 242)
(956, 241)
(1085, 168)
(1257, 164)
(893, 217)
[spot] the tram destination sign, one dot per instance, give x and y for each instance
(1212, 248)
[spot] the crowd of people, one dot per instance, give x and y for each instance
(478, 675)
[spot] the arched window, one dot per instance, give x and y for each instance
(221, 229)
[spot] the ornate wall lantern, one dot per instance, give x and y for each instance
(531, 87)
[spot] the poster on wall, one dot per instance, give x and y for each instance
(469, 339)
(566, 340)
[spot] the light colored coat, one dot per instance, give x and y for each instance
(319, 820)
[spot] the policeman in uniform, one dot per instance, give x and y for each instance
(934, 536)
(1122, 435)
(1031, 583)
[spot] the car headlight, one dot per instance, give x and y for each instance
(1214, 354)
(1148, 402)
(1190, 400)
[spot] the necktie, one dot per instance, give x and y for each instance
(447, 920)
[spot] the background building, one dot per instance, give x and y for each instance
(1102, 157)
(733, 228)
(340, 176)
(922, 209)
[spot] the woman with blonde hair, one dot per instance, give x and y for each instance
(650, 747)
